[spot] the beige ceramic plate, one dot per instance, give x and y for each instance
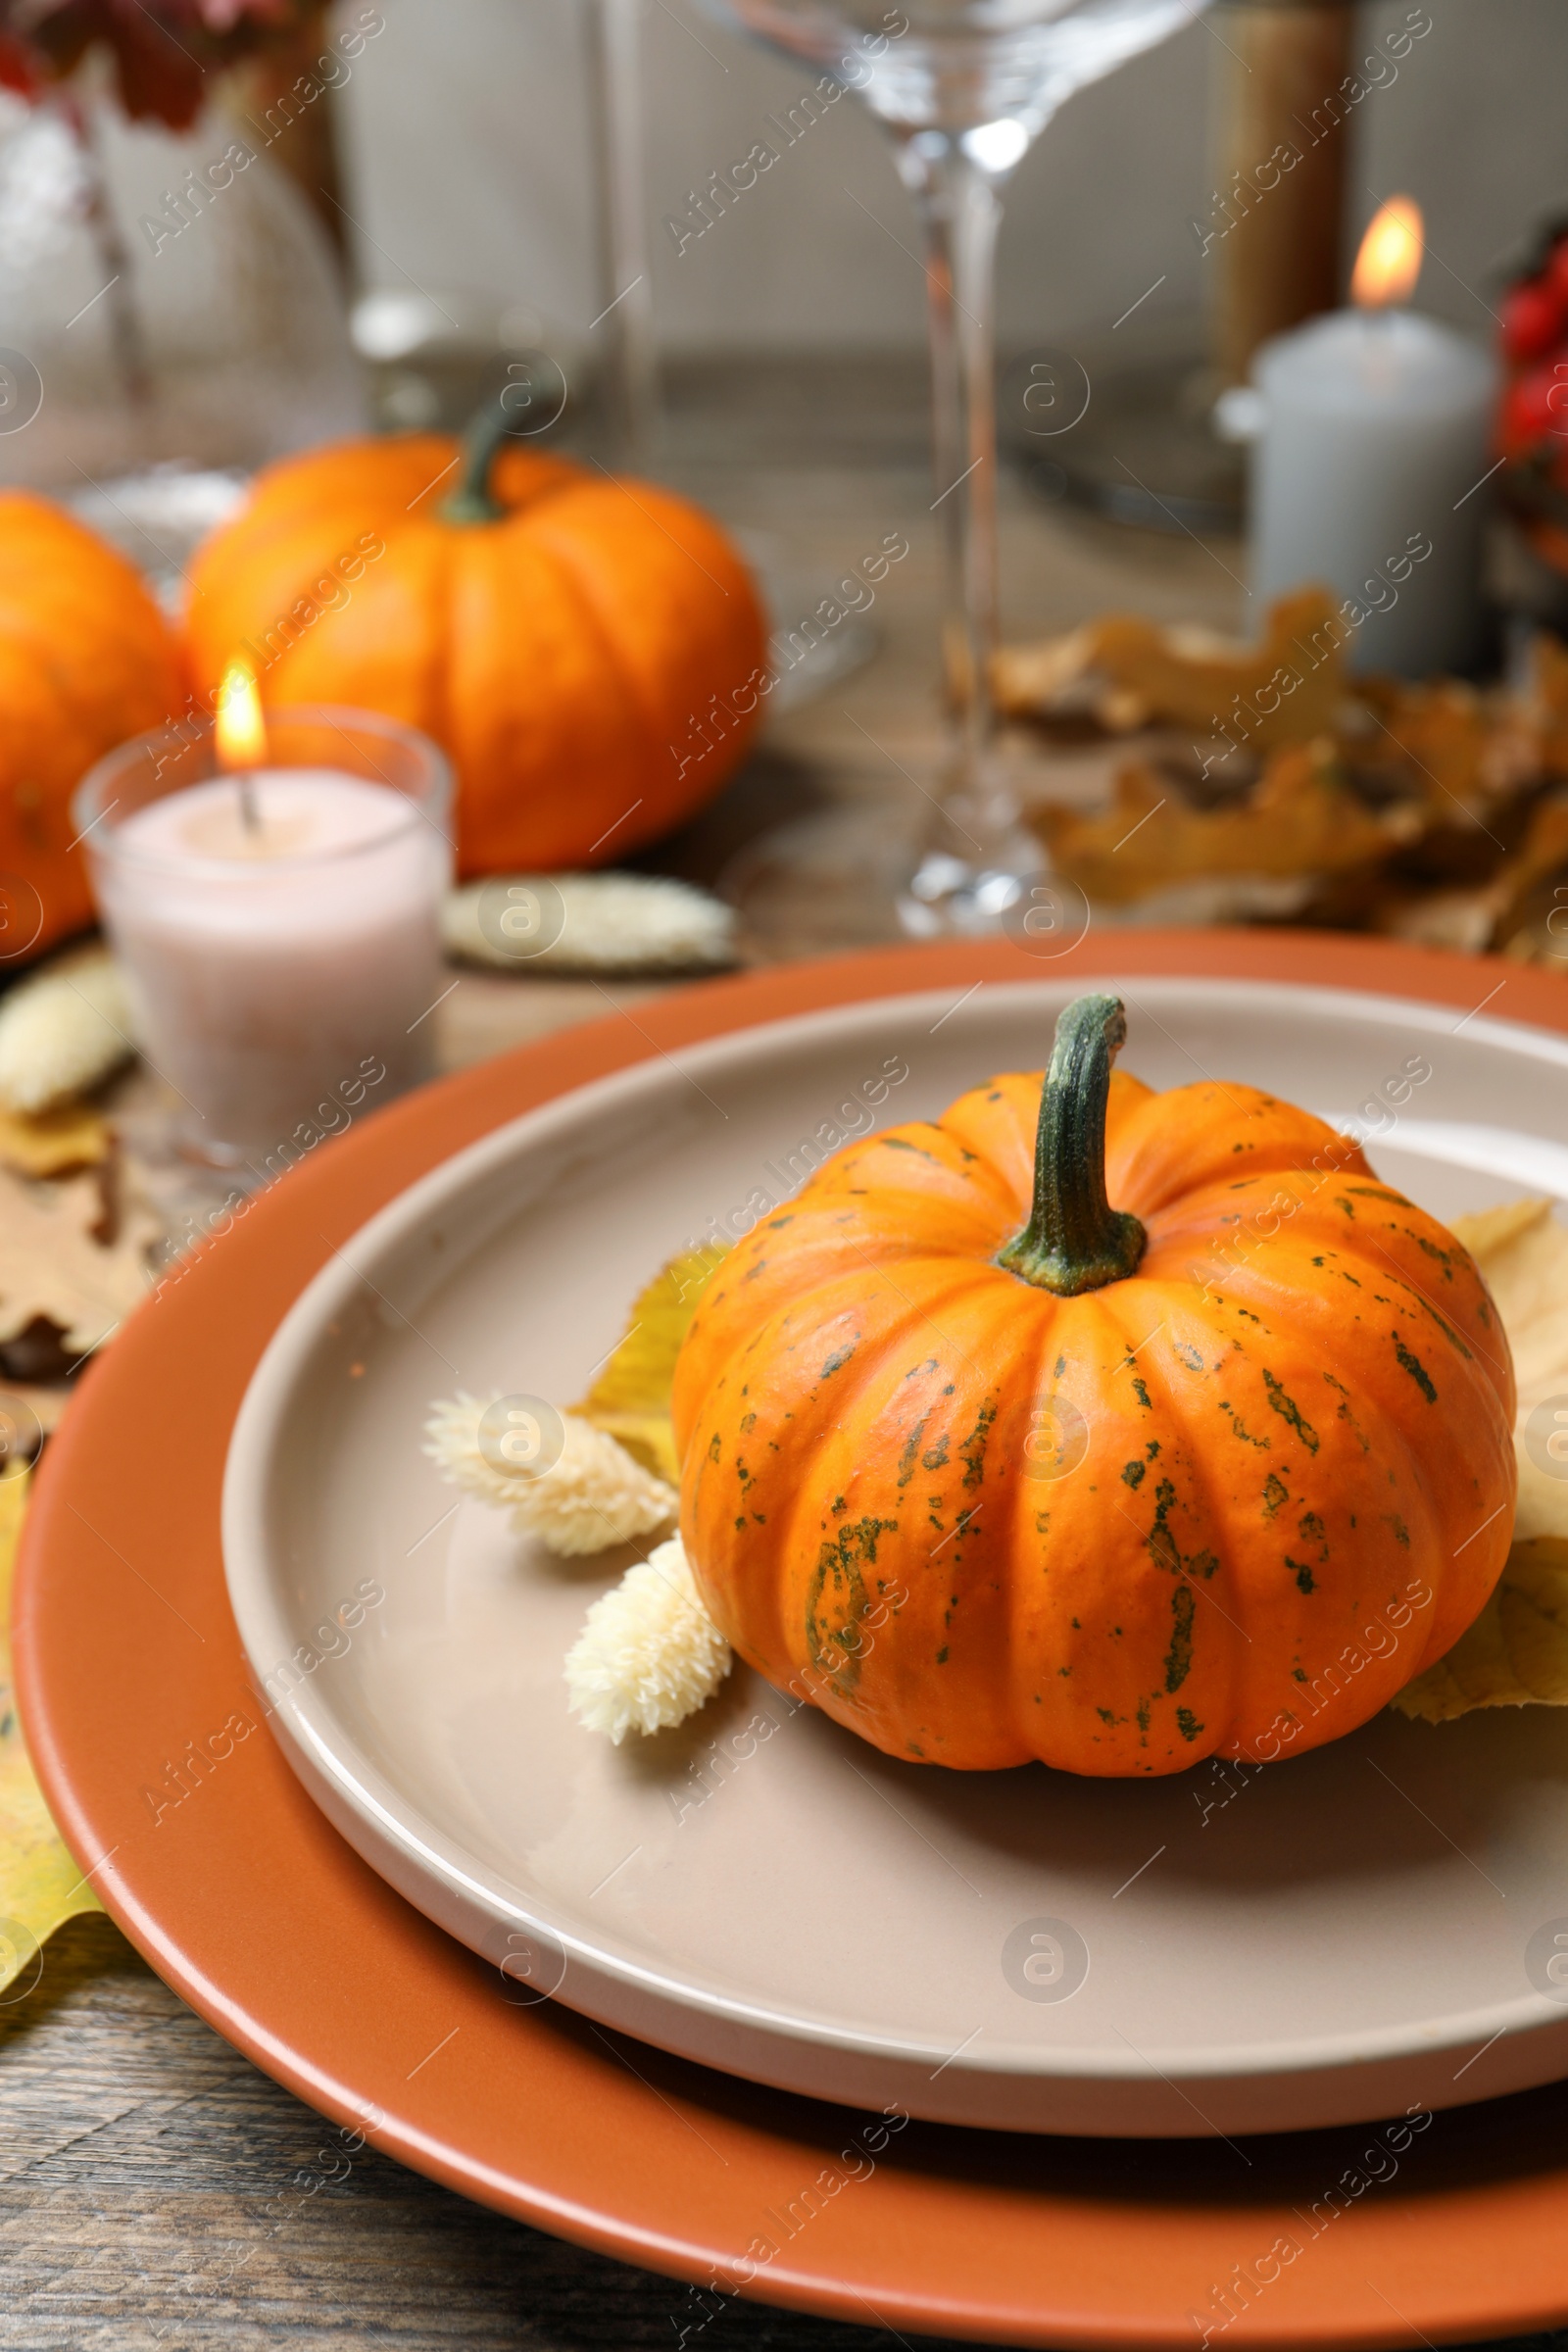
(1328, 1939)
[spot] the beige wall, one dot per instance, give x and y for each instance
(468, 135)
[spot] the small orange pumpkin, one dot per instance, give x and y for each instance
(87, 660)
(991, 1470)
(590, 652)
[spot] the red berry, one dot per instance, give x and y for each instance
(1535, 408)
(1533, 318)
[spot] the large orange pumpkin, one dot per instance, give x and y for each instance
(590, 652)
(87, 660)
(991, 1470)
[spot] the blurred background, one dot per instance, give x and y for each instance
(461, 169)
(467, 134)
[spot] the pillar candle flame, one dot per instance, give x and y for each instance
(1390, 259)
(239, 731)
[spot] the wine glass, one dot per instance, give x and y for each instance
(962, 89)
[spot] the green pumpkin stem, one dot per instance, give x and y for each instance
(473, 500)
(1075, 1240)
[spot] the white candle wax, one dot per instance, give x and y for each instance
(1367, 475)
(278, 968)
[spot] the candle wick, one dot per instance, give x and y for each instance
(249, 809)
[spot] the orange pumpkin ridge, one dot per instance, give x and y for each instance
(559, 633)
(1111, 1428)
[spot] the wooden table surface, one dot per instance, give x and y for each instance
(148, 2191)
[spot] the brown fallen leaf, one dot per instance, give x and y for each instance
(54, 1272)
(1456, 771)
(1286, 689)
(1492, 913)
(1434, 738)
(1542, 707)
(1302, 819)
(1542, 853)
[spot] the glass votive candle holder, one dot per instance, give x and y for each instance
(279, 928)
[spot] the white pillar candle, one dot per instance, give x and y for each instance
(1368, 475)
(280, 964)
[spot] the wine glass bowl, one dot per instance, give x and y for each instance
(961, 65)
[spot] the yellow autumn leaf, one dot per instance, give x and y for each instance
(1516, 1652)
(40, 1882)
(1522, 1249)
(630, 1399)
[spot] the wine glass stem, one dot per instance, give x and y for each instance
(625, 326)
(960, 214)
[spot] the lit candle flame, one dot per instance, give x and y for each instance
(239, 729)
(1390, 259)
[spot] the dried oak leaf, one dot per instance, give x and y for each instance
(52, 1268)
(1542, 707)
(1542, 853)
(1286, 689)
(1447, 743)
(1300, 819)
(1493, 911)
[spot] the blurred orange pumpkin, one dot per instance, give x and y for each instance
(587, 650)
(87, 660)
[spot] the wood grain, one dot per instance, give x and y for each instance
(155, 2192)
(155, 2197)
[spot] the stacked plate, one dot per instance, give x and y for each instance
(800, 1933)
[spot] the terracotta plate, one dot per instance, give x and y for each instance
(151, 1746)
(1014, 1949)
